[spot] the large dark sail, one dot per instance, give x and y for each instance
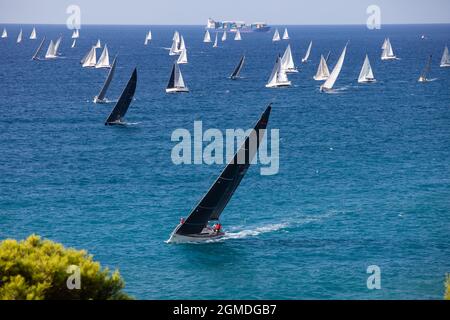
(238, 69)
(171, 83)
(35, 56)
(101, 95)
(122, 105)
(427, 68)
(212, 204)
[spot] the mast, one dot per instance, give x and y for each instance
(74, 43)
(238, 69)
(51, 53)
(35, 56)
(287, 62)
(57, 44)
(101, 96)
(122, 105)
(224, 36)
(215, 42)
(211, 206)
(91, 59)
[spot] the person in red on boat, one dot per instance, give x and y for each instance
(182, 221)
(217, 227)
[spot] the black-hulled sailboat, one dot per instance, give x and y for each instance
(121, 107)
(426, 70)
(176, 82)
(237, 70)
(36, 53)
(101, 96)
(195, 228)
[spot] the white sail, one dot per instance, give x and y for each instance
(74, 43)
(4, 33)
(207, 37)
(75, 34)
(276, 36)
(176, 36)
(278, 77)
(384, 44)
(445, 61)
(285, 34)
(103, 61)
(182, 59)
(322, 71)
(98, 45)
(182, 45)
(57, 44)
(238, 37)
(287, 62)
(51, 52)
(329, 83)
(308, 52)
(215, 45)
(176, 83)
(224, 36)
(148, 38)
(388, 52)
(174, 48)
(33, 35)
(91, 59)
(366, 74)
(19, 37)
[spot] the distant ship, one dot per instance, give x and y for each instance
(234, 26)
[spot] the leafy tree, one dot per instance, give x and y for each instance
(36, 269)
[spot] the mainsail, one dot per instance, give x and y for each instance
(103, 61)
(101, 96)
(384, 46)
(366, 74)
(285, 34)
(33, 35)
(276, 36)
(278, 77)
(388, 52)
(238, 69)
(19, 37)
(35, 56)
(329, 83)
(51, 52)
(121, 107)
(182, 59)
(224, 36)
(287, 62)
(215, 45)
(148, 38)
(4, 33)
(98, 45)
(211, 206)
(423, 76)
(322, 71)
(182, 45)
(75, 34)
(308, 52)
(176, 82)
(445, 61)
(74, 43)
(57, 44)
(238, 37)
(91, 59)
(207, 37)
(174, 48)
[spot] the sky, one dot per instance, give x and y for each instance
(196, 12)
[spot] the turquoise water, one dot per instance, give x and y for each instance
(364, 173)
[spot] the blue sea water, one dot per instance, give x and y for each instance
(364, 173)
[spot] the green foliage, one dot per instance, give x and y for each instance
(447, 287)
(36, 269)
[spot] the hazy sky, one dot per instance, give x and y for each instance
(197, 11)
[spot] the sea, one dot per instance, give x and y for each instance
(363, 180)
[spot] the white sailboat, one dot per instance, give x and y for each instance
(207, 37)
(148, 37)
(276, 36)
(287, 61)
(322, 71)
(278, 77)
(103, 61)
(176, 82)
(238, 37)
(75, 34)
(182, 59)
(366, 74)
(215, 45)
(174, 50)
(98, 45)
(445, 61)
(33, 35)
(74, 43)
(388, 52)
(4, 33)
(224, 36)
(51, 52)
(308, 52)
(286, 34)
(19, 37)
(91, 58)
(329, 83)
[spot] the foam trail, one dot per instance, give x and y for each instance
(254, 232)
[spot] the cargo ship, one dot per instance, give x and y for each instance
(233, 26)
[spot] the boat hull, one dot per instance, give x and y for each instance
(177, 238)
(367, 81)
(177, 90)
(279, 85)
(320, 78)
(389, 58)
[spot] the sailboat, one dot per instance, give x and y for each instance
(90, 60)
(176, 82)
(4, 33)
(103, 61)
(75, 34)
(74, 43)
(329, 83)
(287, 62)
(122, 105)
(426, 70)
(366, 74)
(182, 59)
(322, 71)
(33, 35)
(276, 36)
(174, 48)
(207, 37)
(237, 70)
(57, 44)
(215, 45)
(19, 37)
(181, 46)
(51, 51)
(224, 36)
(238, 37)
(388, 52)
(195, 228)
(308, 52)
(98, 45)
(100, 98)
(285, 34)
(36, 53)
(445, 61)
(278, 77)
(148, 38)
